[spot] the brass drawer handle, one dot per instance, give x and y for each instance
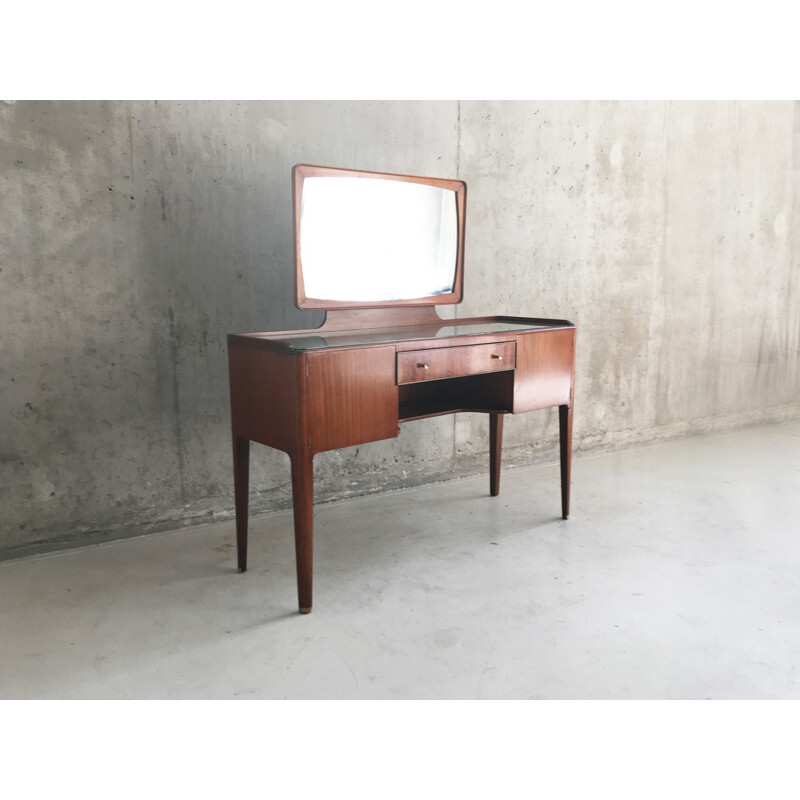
(499, 358)
(422, 366)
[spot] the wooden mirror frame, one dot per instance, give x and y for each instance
(302, 171)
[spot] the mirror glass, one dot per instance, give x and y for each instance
(376, 240)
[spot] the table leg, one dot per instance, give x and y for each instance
(565, 436)
(495, 448)
(303, 500)
(241, 489)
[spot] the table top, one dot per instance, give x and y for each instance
(320, 339)
(409, 333)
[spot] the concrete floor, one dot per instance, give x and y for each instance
(675, 578)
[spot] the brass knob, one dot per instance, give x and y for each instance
(423, 366)
(499, 358)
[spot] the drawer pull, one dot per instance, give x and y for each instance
(499, 358)
(422, 366)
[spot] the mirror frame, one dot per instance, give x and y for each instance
(302, 171)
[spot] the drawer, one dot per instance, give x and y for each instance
(452, 362)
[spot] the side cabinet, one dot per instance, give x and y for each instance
(545, 370)
(350, 396)
(265, 390)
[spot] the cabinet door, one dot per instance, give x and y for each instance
(351, 397)
(545, 369)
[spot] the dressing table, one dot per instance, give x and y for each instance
(378, 252)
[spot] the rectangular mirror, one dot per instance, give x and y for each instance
(370, 239)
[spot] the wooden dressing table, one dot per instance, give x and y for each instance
(372, 366)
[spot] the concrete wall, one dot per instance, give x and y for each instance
(136, 235)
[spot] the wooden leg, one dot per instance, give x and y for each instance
(495, 448)
(241, 489)
(565, 436)
(303, 499)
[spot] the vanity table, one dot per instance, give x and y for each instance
(383, 356)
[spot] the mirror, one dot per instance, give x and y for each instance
(366, 239)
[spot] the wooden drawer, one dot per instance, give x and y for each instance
(452, 362)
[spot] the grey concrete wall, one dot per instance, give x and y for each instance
(136, 235)
(668, 232)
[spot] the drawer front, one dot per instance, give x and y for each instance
(452, 362)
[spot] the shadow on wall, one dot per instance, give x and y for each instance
(222, 254)
(140, 234)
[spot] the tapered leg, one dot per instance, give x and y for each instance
(495, 448)
(303, 498)
(241, 489)
(565, 436)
